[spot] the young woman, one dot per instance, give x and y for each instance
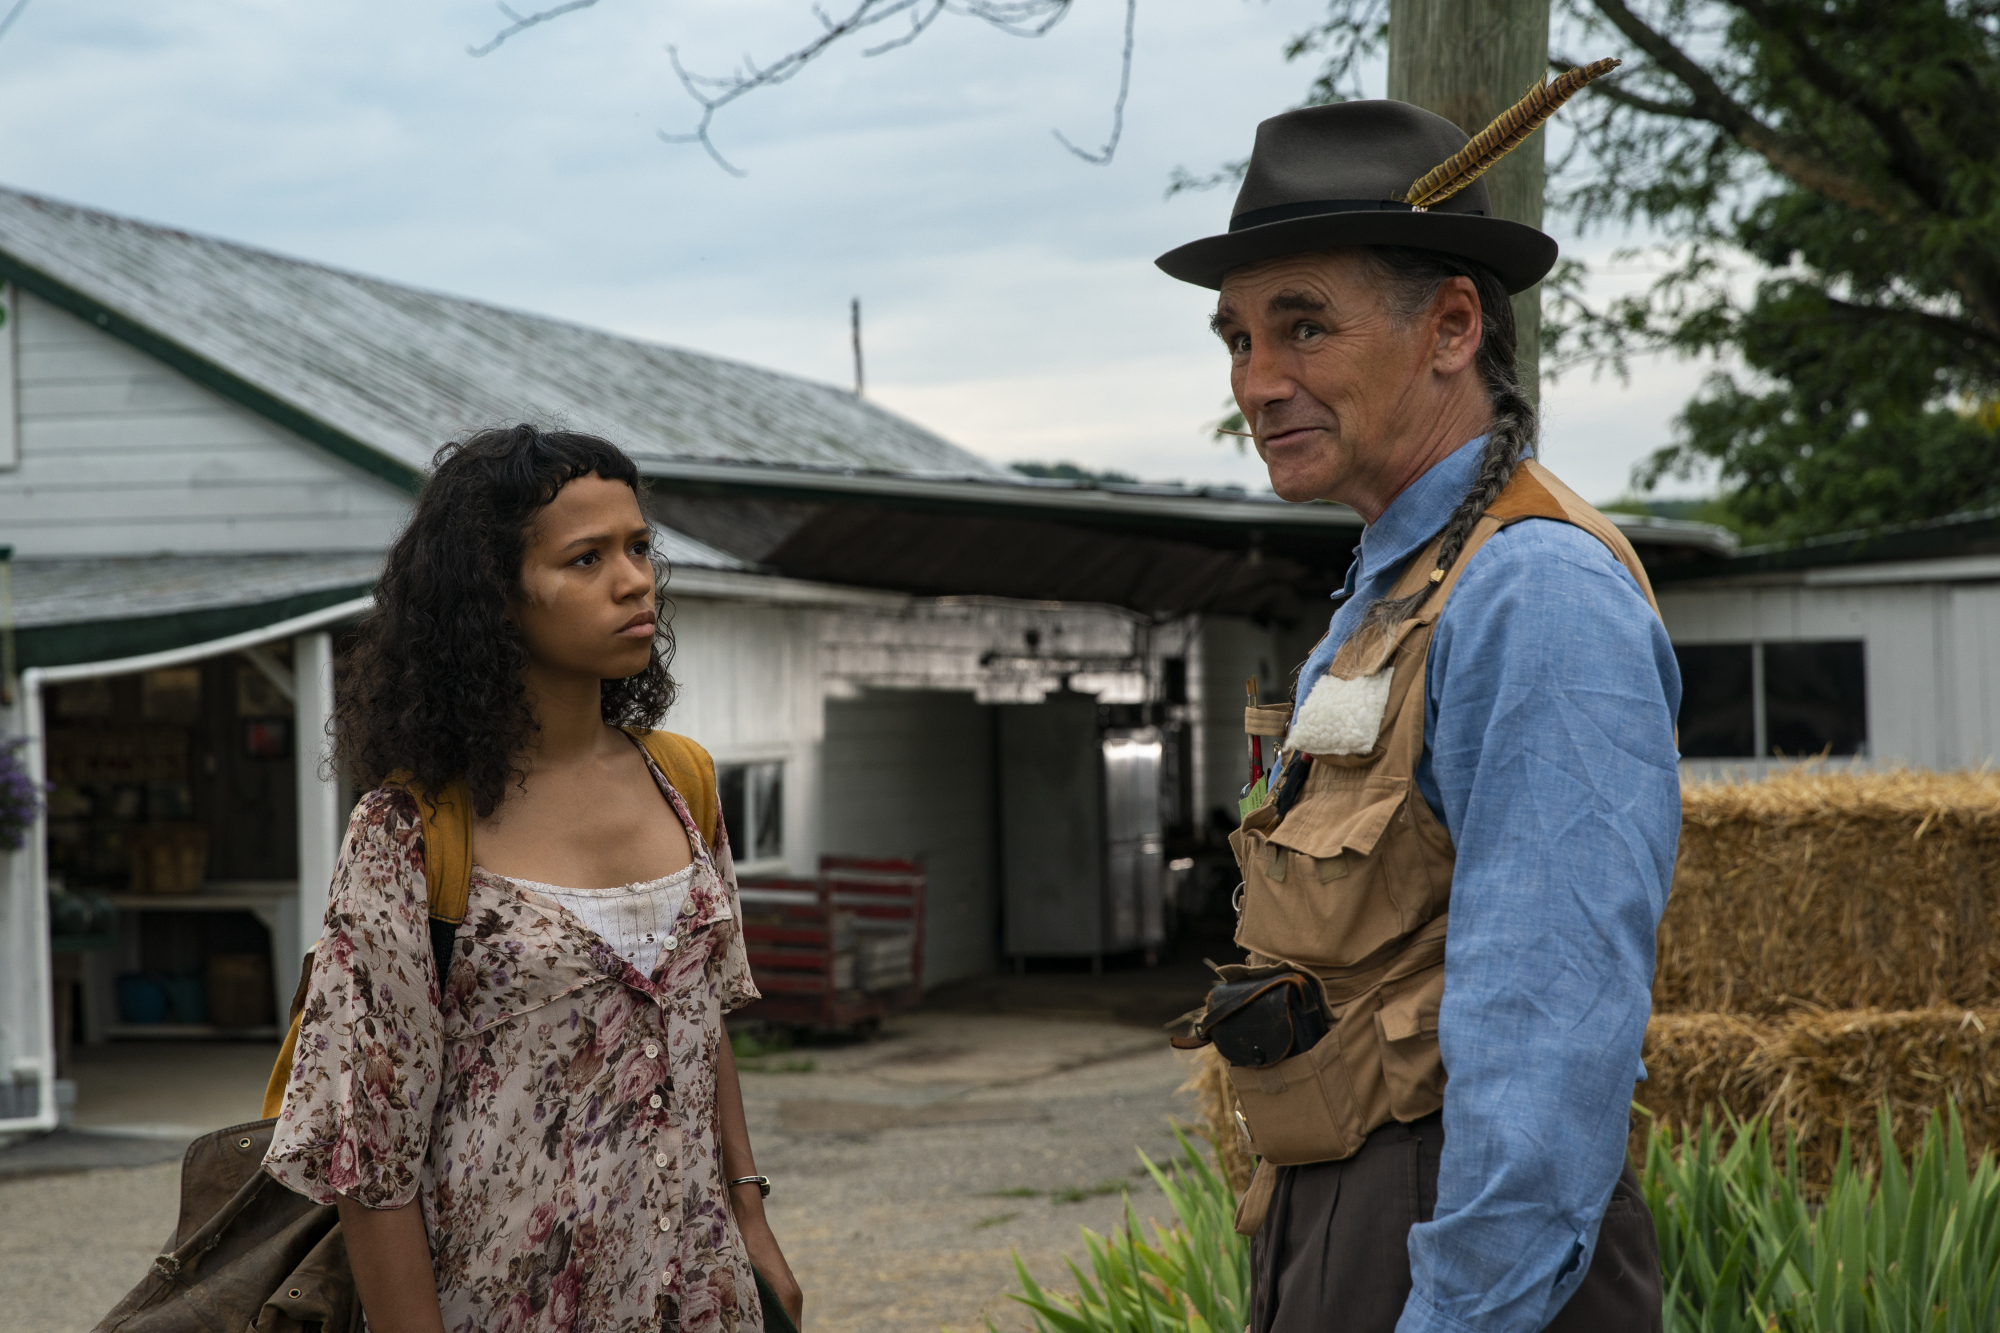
(548, 1140)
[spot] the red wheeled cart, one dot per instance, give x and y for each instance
(840, 951)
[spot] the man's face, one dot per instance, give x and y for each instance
(1327, 378)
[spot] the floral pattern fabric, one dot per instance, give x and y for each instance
(554, 1109)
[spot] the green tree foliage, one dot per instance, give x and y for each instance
(1825, 176)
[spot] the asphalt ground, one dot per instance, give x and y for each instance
(908, 1169)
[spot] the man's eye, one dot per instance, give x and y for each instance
(1304, 330)
(1239, 343)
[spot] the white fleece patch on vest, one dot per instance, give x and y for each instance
(1342, 716)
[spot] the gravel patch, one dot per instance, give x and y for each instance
(906, 1172)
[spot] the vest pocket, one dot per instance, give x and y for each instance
(1407, 1027)
(1315, 889)
(1301, 1109)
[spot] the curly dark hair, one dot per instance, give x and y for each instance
(433, 685)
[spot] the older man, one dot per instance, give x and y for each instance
(1470, 840)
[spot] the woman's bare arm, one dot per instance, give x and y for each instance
(747, 1201)
(391, 1258)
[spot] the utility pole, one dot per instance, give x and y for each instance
(1469, 60)
(854, 322)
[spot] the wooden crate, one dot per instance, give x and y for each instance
(838, 951)
(167, 858)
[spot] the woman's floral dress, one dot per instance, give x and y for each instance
(555, 1112)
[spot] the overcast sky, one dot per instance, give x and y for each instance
(1008, 290)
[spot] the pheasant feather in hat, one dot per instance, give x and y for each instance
(1381, 173)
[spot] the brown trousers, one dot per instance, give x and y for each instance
(1333, 1254)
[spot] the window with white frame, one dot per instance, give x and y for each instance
(1773, 700)
(753, 809)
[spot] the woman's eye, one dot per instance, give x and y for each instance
(587, 558)
(642, 548)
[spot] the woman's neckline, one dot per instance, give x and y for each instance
(615, 891)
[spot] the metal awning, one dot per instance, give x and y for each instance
(1157, 549)
(69, 610)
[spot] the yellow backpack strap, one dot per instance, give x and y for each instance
(447, 875)
(690, 770)
(448, 853)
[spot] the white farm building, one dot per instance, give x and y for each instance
(893, 647)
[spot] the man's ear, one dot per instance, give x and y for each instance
(1457, 324)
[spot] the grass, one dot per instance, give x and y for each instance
(996, 1220)
(1064, 1194)
(1192, 1277)
(1078, 1193)
(1745, 1250)
(756, 1053)
(1744, 1246)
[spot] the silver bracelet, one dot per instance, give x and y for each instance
(763, 1184)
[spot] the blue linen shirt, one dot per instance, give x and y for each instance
(1550, 699)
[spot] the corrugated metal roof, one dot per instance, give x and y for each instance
(65, 592)
(401, 370)
(62, 592)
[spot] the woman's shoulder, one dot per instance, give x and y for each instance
(387, 822)
(390, 807)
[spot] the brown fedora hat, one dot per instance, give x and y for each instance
(1329, 176)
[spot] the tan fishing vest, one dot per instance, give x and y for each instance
(1354, 883)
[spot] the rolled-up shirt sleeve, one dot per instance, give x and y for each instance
(734, 985)
(1550, 756)
(356, 1118)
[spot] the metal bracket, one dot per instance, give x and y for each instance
(276, 672)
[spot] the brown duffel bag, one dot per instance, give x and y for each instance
(247, 1253)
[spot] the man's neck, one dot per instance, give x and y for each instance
(1417, 453)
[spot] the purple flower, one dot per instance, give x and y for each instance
(20, 798)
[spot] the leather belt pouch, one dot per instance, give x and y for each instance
(1257, 1021)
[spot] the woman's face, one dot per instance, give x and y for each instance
(585, 607)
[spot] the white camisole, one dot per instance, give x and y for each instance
(637, 920)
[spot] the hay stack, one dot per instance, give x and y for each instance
(1215, 1103)
(1830, 944)
(1842, 890)
(1819, 1072)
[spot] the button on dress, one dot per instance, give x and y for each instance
(554, 1112)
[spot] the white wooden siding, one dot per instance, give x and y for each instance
(1974, 667)
(1931, 653)
(909, 773)
(122, 455)
(749, 691)
(10, 425)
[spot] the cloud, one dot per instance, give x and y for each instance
(1010, 298)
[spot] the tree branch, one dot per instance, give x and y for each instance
(1103, 156)
(1791, 157)
(1941, 326)
(1906, 156)
(753, 76)
(521, 23)
(918, 22)
(1671, 110)
(1016, 18)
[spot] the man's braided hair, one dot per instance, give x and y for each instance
(1413, 278)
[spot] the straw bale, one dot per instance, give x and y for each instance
(1215, 1103)
(1817, 1072)
(1813, 1072)
(1835, 889)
